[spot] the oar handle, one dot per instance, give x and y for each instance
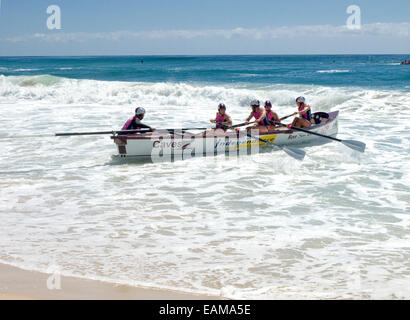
(64, 134)
(242, 124)
(122, 131)
(287, 117)
(182, 129)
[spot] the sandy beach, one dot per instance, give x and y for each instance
(18, 284)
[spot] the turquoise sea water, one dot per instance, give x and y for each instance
(370, 71)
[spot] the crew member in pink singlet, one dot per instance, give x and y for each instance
(259, 114)
(221, 118)
(305, 114)
(270, 117)
(134, 123)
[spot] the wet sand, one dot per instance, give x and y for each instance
(18, 284)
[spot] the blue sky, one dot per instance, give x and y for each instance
(203, 27)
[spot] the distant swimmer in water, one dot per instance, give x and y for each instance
(222, 118)
(304, 112)
(134, 123)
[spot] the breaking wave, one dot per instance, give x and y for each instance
(59, 90)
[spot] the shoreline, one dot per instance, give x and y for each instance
(19, 284)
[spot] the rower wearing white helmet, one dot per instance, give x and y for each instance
(134, 123)
(304, 112)
(259, 114)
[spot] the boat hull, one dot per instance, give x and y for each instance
(160, 144)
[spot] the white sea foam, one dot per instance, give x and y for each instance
(333, 71)
(72, 91)
(25, 69)
(261, 226)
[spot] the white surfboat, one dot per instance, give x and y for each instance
(163, 144)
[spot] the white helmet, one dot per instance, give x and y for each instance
(255, 103)
(300, 99)
(139, 110)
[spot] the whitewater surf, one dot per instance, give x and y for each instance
(261, 226)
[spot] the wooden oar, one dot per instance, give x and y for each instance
(221, 124)
(293, 152)
(242, 124)
(287, 117)
(235, 125)
(95, 133)
(352, 144)
(98, 132)
(183, 129)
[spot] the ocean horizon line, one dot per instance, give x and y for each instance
(206, 55)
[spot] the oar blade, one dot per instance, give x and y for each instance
(355, 145)
(295, 153)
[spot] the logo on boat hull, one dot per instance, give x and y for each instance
(170, 144)
(244, 142)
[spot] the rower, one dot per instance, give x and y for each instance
(305, 114)
(259, 114)
(222, 118)
(134, 123)
(271, 117)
